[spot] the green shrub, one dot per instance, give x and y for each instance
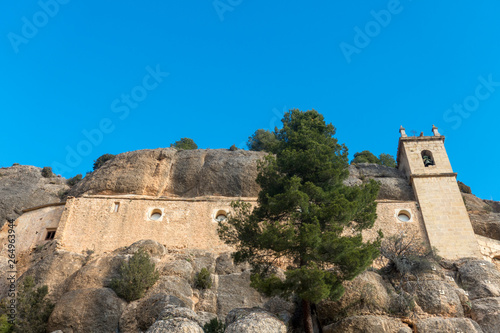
(101, 160)
(62, 194)
(136, 276)
(33, 309)
(184, 144)
(203, 279)
(233, 148)
(5, 326)
(47, 172)
(214, 326)
(73, 181)
(464, 188)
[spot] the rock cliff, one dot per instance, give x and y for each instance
(169, 172)
(22, 187)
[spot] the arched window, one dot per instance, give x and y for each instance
(427, 158)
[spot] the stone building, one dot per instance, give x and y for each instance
(102, 222)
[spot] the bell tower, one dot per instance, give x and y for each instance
(424, 161)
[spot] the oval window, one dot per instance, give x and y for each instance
(404, 216)
(155, 215)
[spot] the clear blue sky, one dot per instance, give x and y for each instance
(142, 74)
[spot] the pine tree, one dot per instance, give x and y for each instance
(303, 208)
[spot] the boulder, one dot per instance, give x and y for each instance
(55, 269)
(234, 291)
(97, 273)
(486, 312)
(225, 265)
(452, 325)
(181, 268)
(87, 310)
(175, 286)
(436, 297)
(368, 292)
(153, 248)
(171, 172)
(22, 187)
(253, 320)
(480, 278)
(150, 309)
(175, 325)
(368, 324)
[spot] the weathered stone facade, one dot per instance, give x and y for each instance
(446, 219)
(104, 222)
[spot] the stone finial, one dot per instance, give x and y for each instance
(435, 131)
(402, 131)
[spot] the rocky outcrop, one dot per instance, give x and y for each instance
(175, 325)
(22, 187)
(486, 312)
(432, 325)
(484, 216)
(247, 320)
(87, 310)
(372, 324)
(169, 172)
(393, 184)
(367, 293)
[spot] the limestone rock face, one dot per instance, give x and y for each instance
(437, 297)
(169, 172)
(253, 320)
(486, 312)
(368, 292)
(437, 324)
(393, 184)
(22, 187)
(55, 270)
(484, 216)
(372, 324)
(175, 325)
(87, 310)
(480, 278)
(234, 291)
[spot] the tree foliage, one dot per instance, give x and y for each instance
(136, 276)
(262, 140)
(303, 208)
(33, 308)
(47, 172)
(368, 157)
(101, 160)
(73, 181)
(387, 160)
(184, 144)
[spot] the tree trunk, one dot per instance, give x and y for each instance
(306, 316)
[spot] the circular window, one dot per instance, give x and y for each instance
(221, 216)
(155, 215)
(404, 216)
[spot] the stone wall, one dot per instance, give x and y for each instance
(31, 227)
(388, 222)
(91, 223)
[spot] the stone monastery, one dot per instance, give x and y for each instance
(104, 222)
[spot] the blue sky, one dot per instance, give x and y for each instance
(83, 78)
